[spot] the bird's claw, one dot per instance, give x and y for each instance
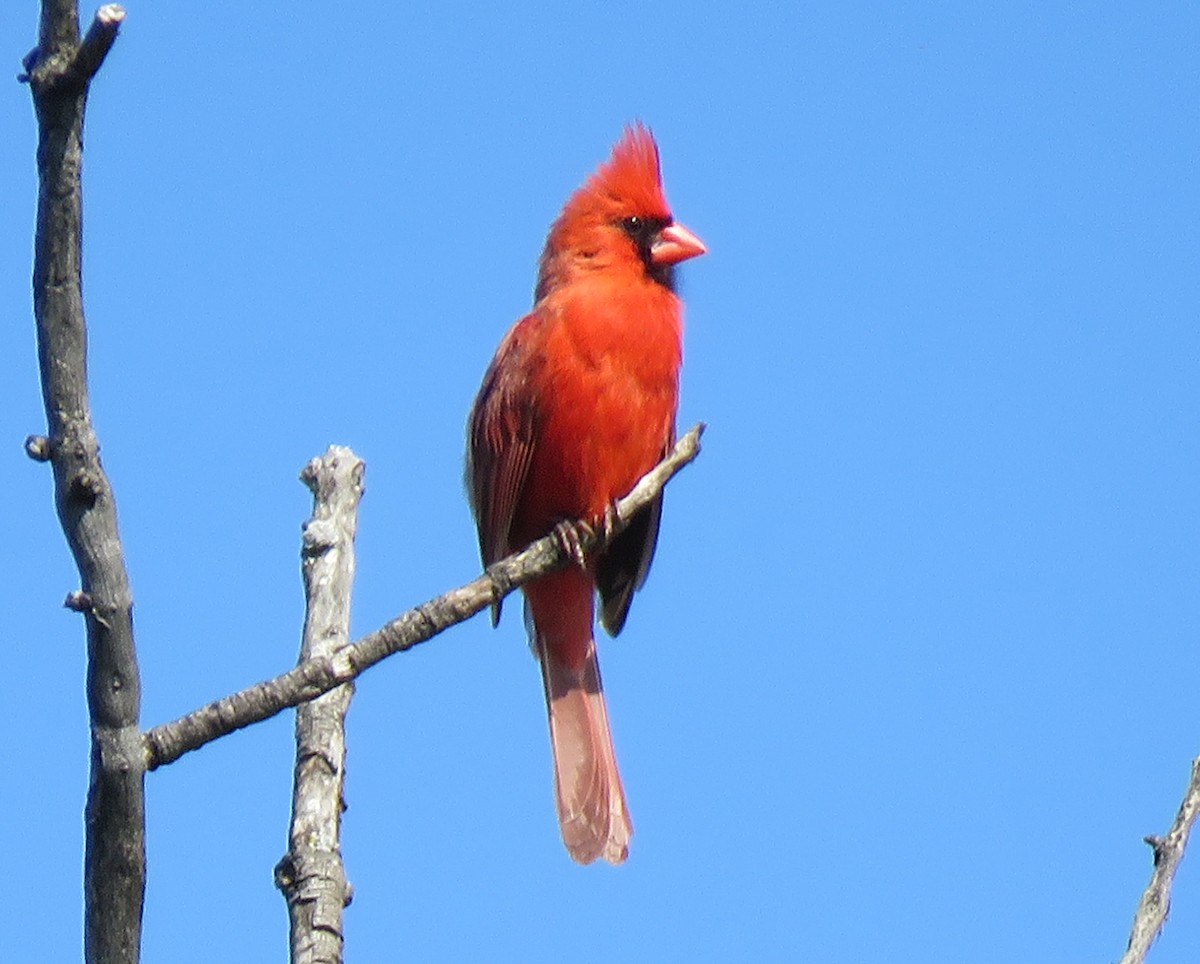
(570, 536)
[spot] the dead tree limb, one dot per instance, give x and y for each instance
(311, 874)
(1168, 853)
(59, 72)
(169, 741)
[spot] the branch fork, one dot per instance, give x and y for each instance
(60, 61)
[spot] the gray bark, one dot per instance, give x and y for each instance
(1168, 853)
(312, 874)
(59, 72)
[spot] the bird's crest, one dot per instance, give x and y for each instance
(631, 177)
(627, 185)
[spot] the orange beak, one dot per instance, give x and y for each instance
(675, 243)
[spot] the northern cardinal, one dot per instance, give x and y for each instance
(578, 403)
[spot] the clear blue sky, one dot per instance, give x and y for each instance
(916, 667)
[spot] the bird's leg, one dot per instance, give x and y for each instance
(570, 536)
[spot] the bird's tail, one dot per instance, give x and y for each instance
(592, 812)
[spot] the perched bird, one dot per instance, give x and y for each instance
(578, 403)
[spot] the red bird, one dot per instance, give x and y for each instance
(578, 403)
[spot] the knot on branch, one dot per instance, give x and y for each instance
(313, 876)
(29, 61)
(285, 873)
(319, 535)
(78, 601)
(38, 448)
(85, 488)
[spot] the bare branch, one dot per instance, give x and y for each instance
(97, 42)
(169, 741)
(1168, 853)
(114, 862)
(311, 874)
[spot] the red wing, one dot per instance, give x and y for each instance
(501, 440)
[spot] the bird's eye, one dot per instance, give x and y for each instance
(639, 228)
(642, 230)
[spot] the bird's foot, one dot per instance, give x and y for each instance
(571, 536)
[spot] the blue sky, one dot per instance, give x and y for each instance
(916, 667)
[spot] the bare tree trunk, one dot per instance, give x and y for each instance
(59, 72)
(311, 874)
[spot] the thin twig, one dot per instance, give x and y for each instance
(311, 874)
(1168, 853)
(115, 859)
(169, 741)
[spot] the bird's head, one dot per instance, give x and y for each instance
(618, 221)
